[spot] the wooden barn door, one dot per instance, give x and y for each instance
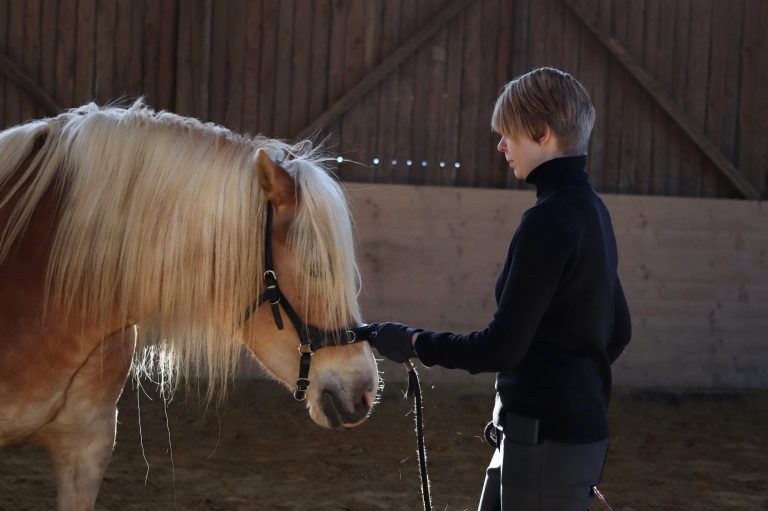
(403, 89)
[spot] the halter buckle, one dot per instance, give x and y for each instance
(305, 349)
(301, 389)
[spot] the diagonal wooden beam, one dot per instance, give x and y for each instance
(657, 92)
(397, 57)
(23, 80)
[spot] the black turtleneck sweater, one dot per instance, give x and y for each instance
(561, 317)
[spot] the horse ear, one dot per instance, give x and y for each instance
(276, 182)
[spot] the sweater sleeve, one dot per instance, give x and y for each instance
(622, 325)
(536, 259)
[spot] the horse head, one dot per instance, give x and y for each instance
(313, 257)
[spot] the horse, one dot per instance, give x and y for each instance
(133, 243)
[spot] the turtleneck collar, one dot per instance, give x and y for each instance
(553, 174)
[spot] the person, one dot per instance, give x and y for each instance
(561, 318)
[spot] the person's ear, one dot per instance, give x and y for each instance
(545, 135)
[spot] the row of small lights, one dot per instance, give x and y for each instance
(424, 163)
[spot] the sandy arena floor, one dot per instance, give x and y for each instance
(691, 451)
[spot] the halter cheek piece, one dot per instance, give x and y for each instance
(311, 338)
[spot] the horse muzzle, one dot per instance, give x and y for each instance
(345, 413)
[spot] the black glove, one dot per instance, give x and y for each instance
(393, 341)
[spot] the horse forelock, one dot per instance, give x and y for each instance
(162, 222)
(322, 241)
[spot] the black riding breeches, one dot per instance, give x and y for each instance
(545, 476)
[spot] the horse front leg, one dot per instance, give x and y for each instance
(80, 460)
(81, 436)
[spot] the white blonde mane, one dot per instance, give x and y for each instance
(162, 224)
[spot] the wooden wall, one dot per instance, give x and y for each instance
(272, 66)
(695, 273)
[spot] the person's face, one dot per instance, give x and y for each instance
(522, 154)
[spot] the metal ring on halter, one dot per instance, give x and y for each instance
(351, 336)
(306, 349)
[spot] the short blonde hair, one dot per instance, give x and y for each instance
(546, 96)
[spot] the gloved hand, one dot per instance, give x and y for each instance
(393, 341)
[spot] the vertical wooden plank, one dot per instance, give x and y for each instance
(661, 60)
(373, 55)
(85, 52)
(65, 52)
(753, 107)
(423, 87)
(485, 155)
(406, 78)
(251, 82)
(31, 52)
(614, 86)
(268, 68)
(194, 54)
(695, 98)
(301, 80)
(722, 93)
(570, 60)
(729, 100)
(624, 23)
(128, 50)
(539, 30)
(642, 35)
(389, 100)
(679, 78)
(470, 95)
(353, 128)
(453, 80)
(499, 170)
(520, 38)
(336, 68)
(122, 43)
(593, 70)
(710, 176)
(336, 61)
(158, 53)
(436, 97)
(104, 73)
(219, 66)
(318, 63)
(151, 51)
(554, 34)
(235, 62)
(522, 56)
(15, 50)
(283, 70)
(4, 19)
(135, 14)
(166, 61)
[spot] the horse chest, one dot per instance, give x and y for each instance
(36, 381)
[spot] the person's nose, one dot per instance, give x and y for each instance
(501, 146)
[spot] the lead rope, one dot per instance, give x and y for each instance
(414, 391)
(601, 498)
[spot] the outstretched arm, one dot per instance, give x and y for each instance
(537, 257)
